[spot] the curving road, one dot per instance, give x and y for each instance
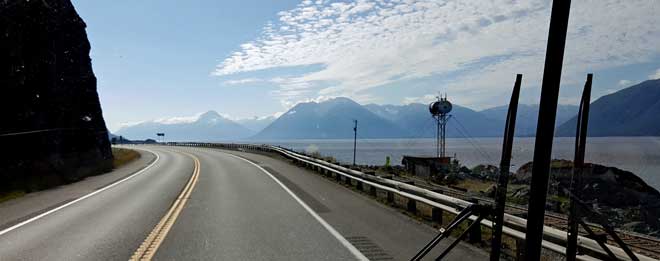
(204, 204)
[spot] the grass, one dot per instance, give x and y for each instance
(11, 195)
(474, 185)
(123, 157)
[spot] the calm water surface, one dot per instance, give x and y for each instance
(640, 155)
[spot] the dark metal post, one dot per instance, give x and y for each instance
(437, 135)
(444, 131)
(503, 179)
(354, 141)
(578, 166)
(545, 130)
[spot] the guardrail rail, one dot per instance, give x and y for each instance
(554, 239)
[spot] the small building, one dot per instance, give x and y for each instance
(425, 166)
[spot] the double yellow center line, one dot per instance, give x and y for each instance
(148, 248)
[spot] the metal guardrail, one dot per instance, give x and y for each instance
(553, 239)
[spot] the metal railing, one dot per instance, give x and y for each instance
(553, 239)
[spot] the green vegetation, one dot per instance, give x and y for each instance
(318, 155)
(11, 195)
(123, 157)
(474, 185)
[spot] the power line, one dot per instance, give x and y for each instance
(471, 141)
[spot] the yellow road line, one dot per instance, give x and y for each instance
(148, 248)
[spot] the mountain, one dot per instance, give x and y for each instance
(331, 119)
(633, 111)
(256, 124)
(209, 126)
(417, 119)
(526, 118)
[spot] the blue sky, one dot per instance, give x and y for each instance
(161, 59)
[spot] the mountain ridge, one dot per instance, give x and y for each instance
(633, 111)
(208, 126)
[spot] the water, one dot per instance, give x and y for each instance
(640, 155)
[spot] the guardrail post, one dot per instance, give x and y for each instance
(412, 205)
(436, 215)
(429, 212)
(474, 235)
(372, 190)
(520, 249)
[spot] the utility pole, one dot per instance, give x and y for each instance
(354, 140)
(554, 58)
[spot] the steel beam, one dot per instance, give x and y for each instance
(578, 166)
(503, 179)
(545, 130)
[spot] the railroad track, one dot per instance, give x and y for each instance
(639, 243)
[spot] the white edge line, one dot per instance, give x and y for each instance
(7, 230)
(318, 218)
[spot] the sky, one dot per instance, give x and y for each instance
(171, 60)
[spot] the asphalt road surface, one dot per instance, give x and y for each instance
(205, 204)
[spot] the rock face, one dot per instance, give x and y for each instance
(52, 129)
(619, 195)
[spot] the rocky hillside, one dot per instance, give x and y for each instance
(52, 130)
(621, 196)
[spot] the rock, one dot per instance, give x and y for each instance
(619, 195)
(485, 172)
(53, 130)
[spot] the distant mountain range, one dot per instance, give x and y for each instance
(209, 126)
(634, 111)
(256, 124)
(527, 115)
(417, 121)
(332, 119)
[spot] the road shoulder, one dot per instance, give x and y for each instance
(379, 231)
(17, 210)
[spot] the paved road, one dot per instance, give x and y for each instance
(241, 207)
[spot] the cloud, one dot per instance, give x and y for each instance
(165, 120)
(242, 81)
(179, 119)
(475, 46)
(422, 99)
(624, 82)
(656, 75)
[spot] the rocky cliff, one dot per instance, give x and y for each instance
(52, 129)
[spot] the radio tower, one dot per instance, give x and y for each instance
(440, 110)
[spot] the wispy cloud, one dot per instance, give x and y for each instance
(655, 75)
(476, 46)
(242, 81)
(624, 82)
(423, 99)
